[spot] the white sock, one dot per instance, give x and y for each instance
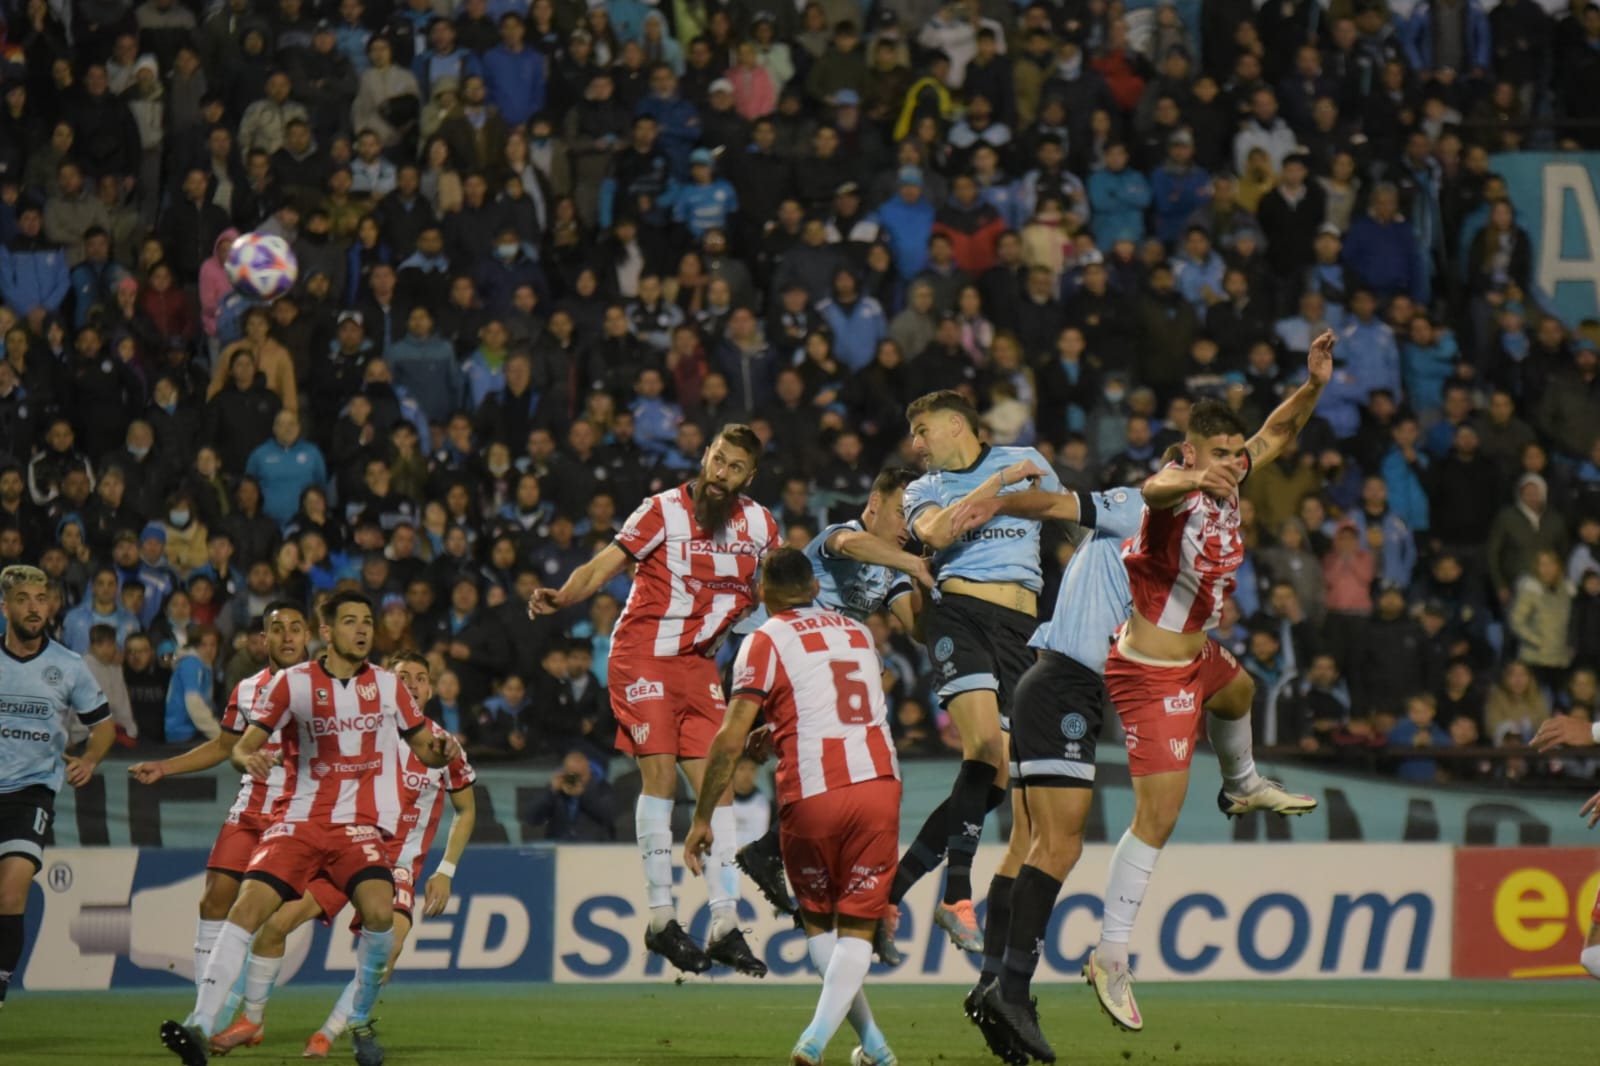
(820, 948)
(1131, 866)
(847, 972)
(339, 1017)
(1591, 960)
(652, 817)
(260, 974)
(722, 873)
(1232, 741)
(205, 936)
(227, 960)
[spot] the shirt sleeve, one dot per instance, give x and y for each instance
(1118, 513)
(645, 530)
(459, 774)
(822, 539)
(920, 495)
(233, 718)
(87, 699)
(272, 703)
(1051, 482)
(755, 670)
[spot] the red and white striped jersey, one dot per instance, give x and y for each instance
(255, 797)
(820, 680)
(341, 743)
(692, 584)
(1182, 562)
(422, 792)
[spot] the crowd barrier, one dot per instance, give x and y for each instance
(117, 917)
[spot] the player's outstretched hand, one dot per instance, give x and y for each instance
(442, 748)
(79, 771)
(758, 745)
(543, 601)
(1591, 809)
(1025, 470)
(696, 846)
(146, 773)
(966, 515)
(1219, 480)
(1319, 360)
(1562, 731)
(438, 895)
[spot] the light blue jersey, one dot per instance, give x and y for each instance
(36, 696)
(1095, 597)
(1002, 550)
(846, 585)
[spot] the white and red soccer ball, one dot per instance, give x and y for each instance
(261, 265)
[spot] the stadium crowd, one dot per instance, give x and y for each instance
(544, 251)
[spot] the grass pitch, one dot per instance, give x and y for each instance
(1292, 1023)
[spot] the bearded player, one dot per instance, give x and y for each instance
(862, 567)
(1163, 668)
(817, 676)
(423, 791)
(258, 803)
(344, 722)
(697, 548)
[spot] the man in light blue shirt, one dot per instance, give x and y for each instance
(284, 467)
(41, 685)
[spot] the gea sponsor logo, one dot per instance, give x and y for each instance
(642, 691)
(1182, 703)
(360, 723)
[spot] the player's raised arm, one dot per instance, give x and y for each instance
(584, 582)
(1285, 423)
(726, 747)
(936, 526)
(864, 547)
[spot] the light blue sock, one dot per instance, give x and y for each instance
(230, 1006)
(372, 956)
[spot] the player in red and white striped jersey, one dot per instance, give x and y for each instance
(817, 675)
(422, 800)
(697, 548)
(344, 723)
(257, 805)
(1166, 677)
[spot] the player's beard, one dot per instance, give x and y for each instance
(711, 511)
(26, 633)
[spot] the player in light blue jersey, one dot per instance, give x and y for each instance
(977, 628)
(41, 683)
(1061, 705)
(862, 567)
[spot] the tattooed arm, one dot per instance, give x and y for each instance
(1285, 424)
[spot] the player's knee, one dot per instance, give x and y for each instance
(1591, 959)
(1235, 699)
(984, 747)
(1056, 854)
(12, 899)
(1153, 822)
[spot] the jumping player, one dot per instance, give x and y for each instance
(421, 810)
(259, 801)
(862, 567)
(978, 630)
(698, 547)
(818, 678)
(345, 722)
(1163, 668)
(42, 684)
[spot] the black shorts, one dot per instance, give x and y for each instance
(25, 817)
(1061, 705)
(977, 647)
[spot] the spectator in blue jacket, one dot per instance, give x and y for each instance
(1464, 54)
(191, 695)
(857, 322)
(1178, 188)
(515, 73)
(101, 607)
(1198, 270)
(34, 280)
(677, 119)
(1428, 361)
(95, 279)
(511, 265)
(443, 58)
(706, 202)
(655, 418)
(1381, 249)
(907, 220)
(1398, 556)
(1368, 348)
(1403, 470)
(425, 365)
(284, 467)
(1414, 736)
(1119, 195)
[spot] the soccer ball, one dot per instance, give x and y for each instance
(261, 265)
